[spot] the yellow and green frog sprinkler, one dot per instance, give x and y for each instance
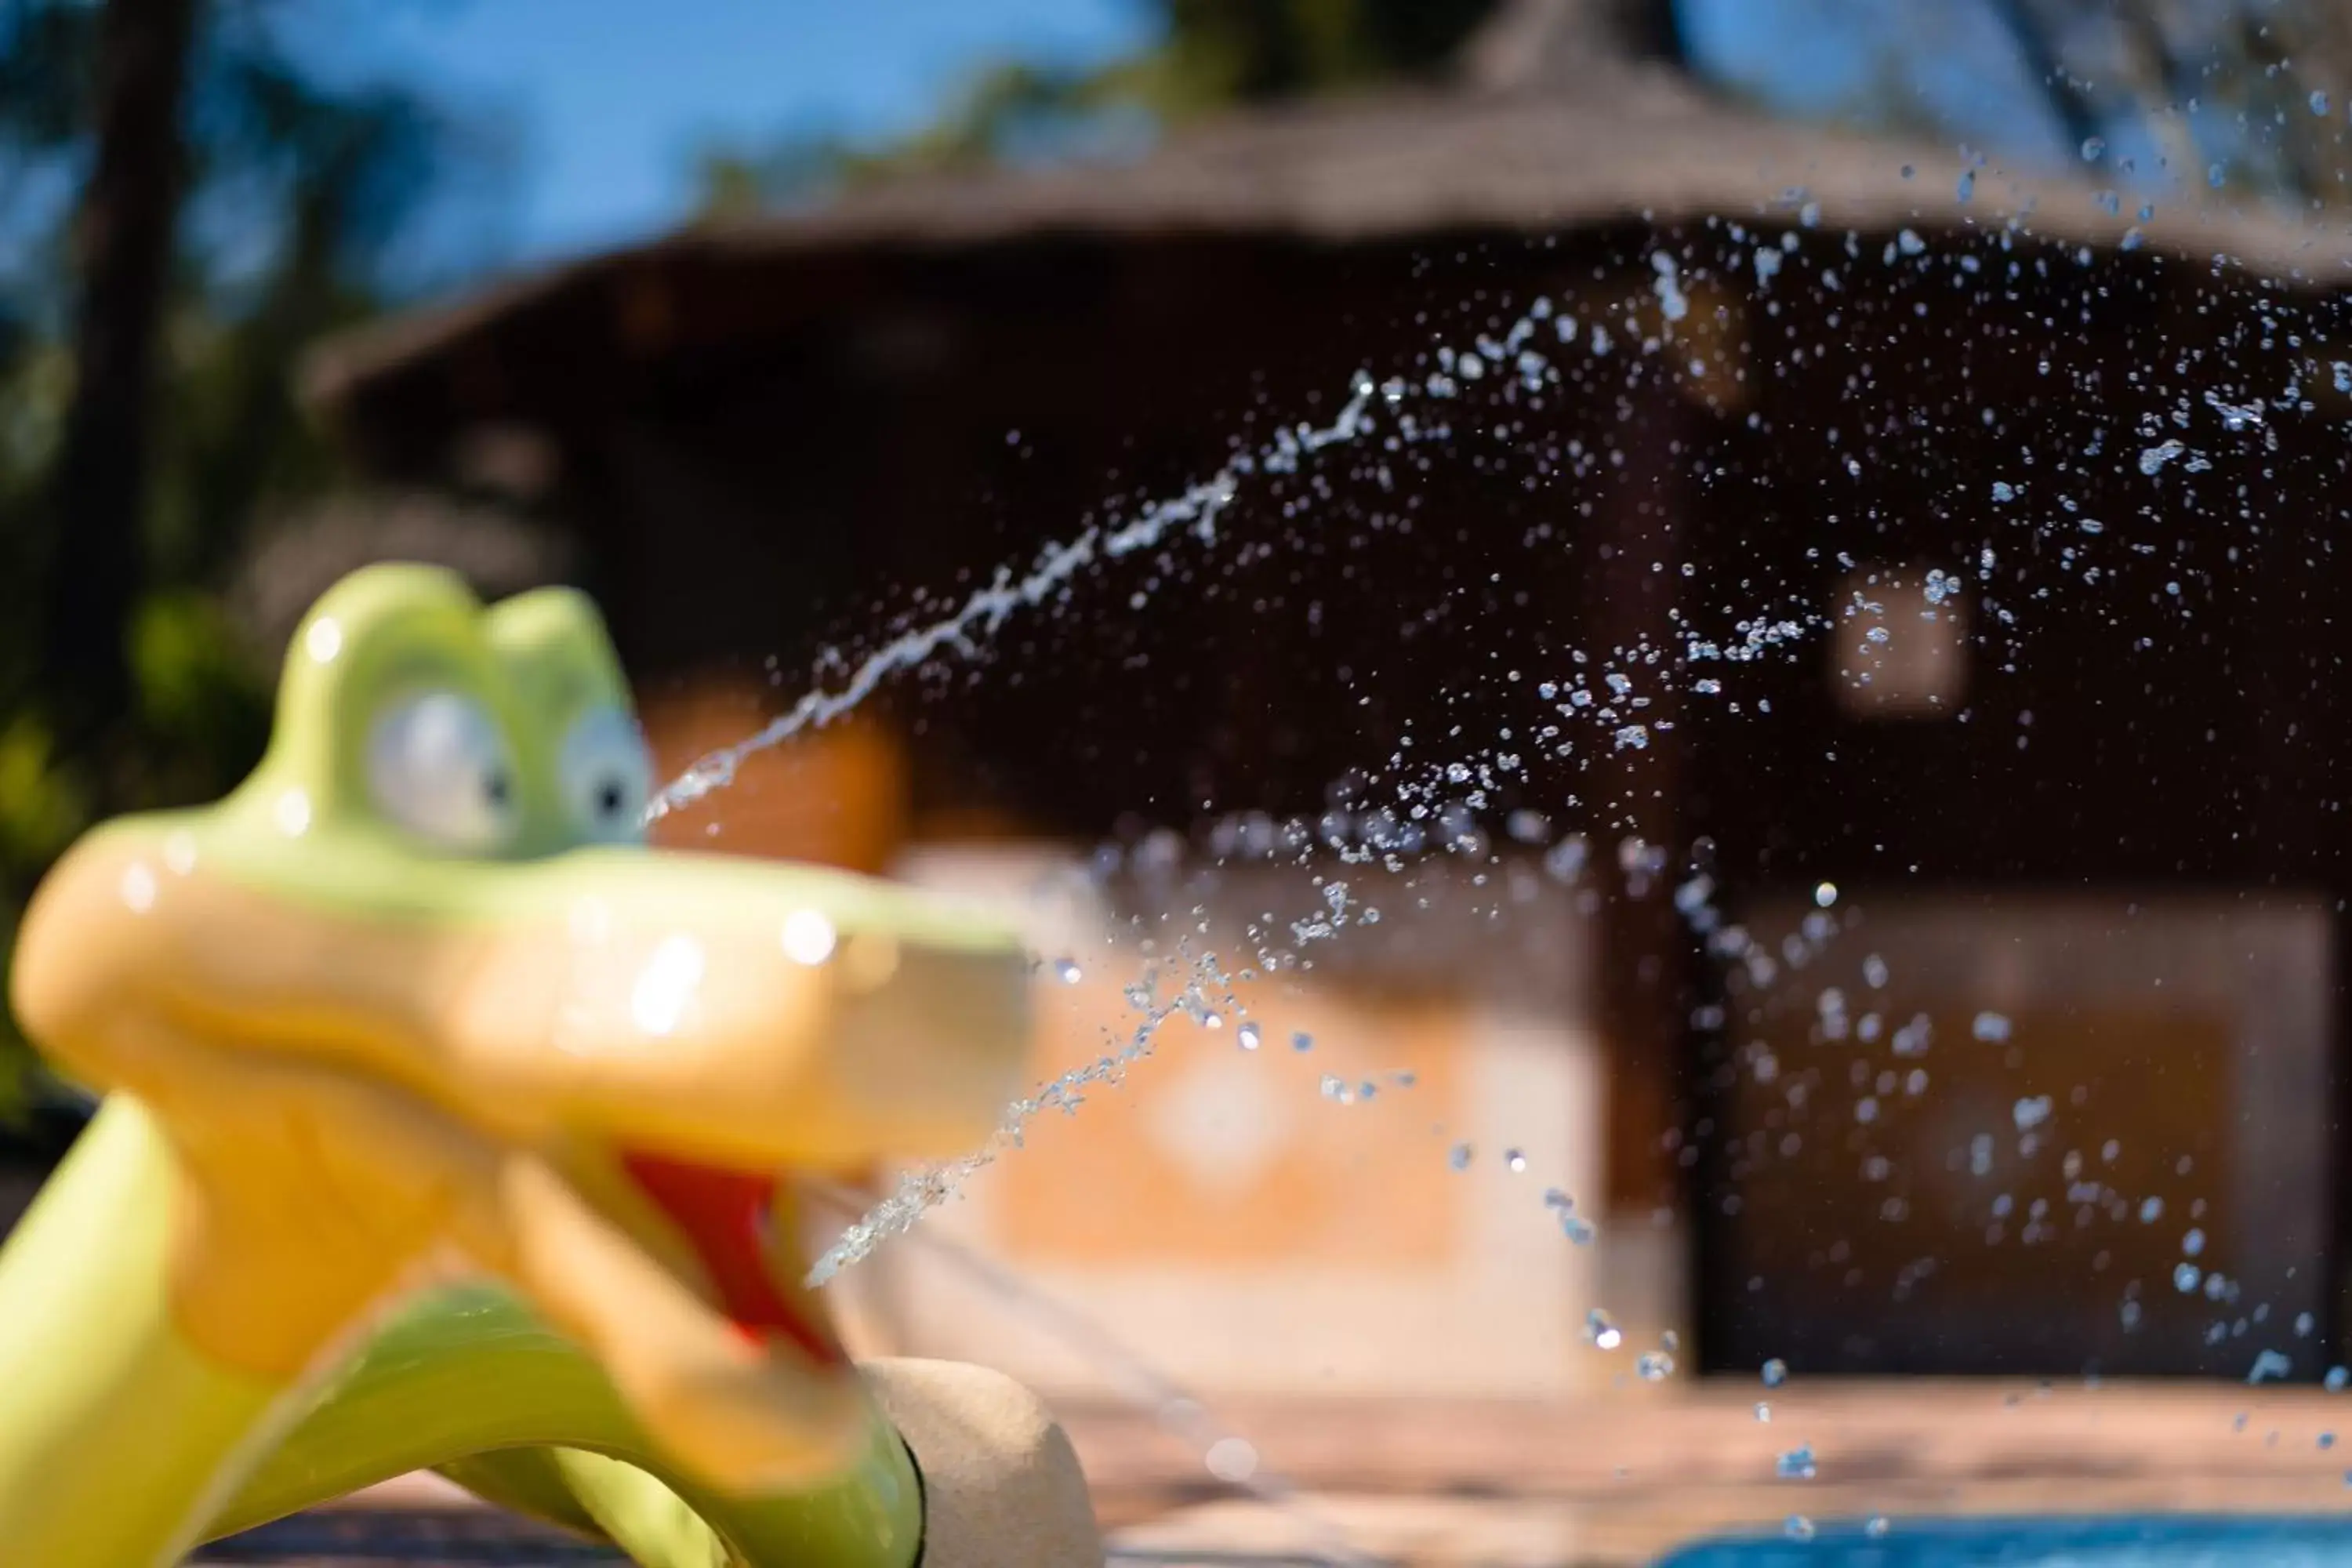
(448, 1125)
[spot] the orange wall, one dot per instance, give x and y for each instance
(837, 797)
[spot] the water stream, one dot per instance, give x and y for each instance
(2193, 432)
(1230, 1457)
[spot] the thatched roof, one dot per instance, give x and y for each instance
(1548, 133)
(303, 556)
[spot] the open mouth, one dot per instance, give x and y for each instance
(729, 1218)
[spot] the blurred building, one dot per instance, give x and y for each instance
(1957, 1131)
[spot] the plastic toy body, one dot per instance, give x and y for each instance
(414, 1004)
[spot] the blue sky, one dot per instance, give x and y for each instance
(602, 104)
(607, 101)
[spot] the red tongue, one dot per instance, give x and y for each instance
(726, 1215)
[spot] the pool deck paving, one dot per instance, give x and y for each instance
(1613, 1480)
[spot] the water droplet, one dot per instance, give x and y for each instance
(1653, 1366)
(1763, 1411)
(2337, 1378)
(1798, 1528)
(1797, 1464)
(667, 985)
(1066, 970)
(808, 937)
(2092, 147)
(1302, 1041)
(2193, 1244)
(1876, 1527)
(2151, 1210)
(2185, 1277)
(293, 813)
(1991, 1026)
(1601, 1331)
(1776, 1373)
(138, 888)
(2318, 102)
(324, 640)
(1248, 1038)
(1825, 894)
(1516, 1159)
(2032, 1112)
(1967, 187)
(1232, 1460)
(1458, 1156)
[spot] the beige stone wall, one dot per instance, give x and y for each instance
(1250, 1231)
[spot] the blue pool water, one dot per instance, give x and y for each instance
(2096, 1543)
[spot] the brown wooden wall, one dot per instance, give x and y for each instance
(760, 452)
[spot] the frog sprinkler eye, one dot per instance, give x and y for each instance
(418, 999)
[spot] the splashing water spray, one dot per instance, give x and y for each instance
(1175, 1409)
(1591, 707)
(1202, 985)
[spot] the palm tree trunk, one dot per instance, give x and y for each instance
(125, 246)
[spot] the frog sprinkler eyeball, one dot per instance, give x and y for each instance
(416, 1001)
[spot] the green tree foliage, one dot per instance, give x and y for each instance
(1210, 54)
(1220, 52)
(2248, 96)
(297, 192)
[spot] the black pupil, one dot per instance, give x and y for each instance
(497, 787)
(609, 798)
